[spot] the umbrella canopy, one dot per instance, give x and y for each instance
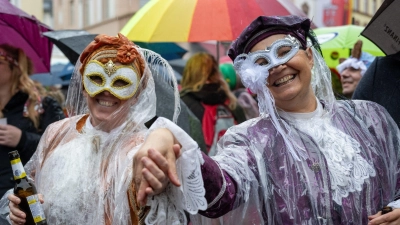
(178, 64)
(337, 42)
(65, 74)
(167, 50)
(200, 20)
(383, 29)
(186, 120)
(24, 31)
(71, 42)
(46, 79)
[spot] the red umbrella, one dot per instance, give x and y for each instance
(24, 31)
(200, 20)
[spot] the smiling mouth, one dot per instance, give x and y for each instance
(284, 80)
(106, 103)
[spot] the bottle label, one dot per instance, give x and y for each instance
(18, 169)
(36, 208)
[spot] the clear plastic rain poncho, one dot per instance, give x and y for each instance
(86, 173)
(336, 165)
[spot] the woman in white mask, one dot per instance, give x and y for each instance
(308, 158)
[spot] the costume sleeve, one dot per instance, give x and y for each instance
(382, 126)
(365, 88)
(232, 175)
(220, 189)
(169, 207)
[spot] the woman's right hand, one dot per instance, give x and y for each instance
(16, 215)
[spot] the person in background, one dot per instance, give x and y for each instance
(308, 158)
(27, 113)
(244, 99)
(207, 95)
(381, 83)
(353, 69)
(56, 93)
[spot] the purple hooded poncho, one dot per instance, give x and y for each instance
(336, 165)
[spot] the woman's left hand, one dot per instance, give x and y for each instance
(391, 218)
(9, 135)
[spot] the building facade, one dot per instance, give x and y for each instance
(339, 12)
(95, 16)
(363, 10)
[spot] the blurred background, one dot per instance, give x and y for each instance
(112, 16)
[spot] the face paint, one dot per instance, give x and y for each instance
(120, 81)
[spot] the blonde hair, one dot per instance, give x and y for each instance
(21, 80)
(199, 69)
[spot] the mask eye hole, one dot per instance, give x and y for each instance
(283, 51)
(120, 83)
(97, 79)
(262, 62)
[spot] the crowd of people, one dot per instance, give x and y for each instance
(280, 148)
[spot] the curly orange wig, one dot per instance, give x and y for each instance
(117, 49)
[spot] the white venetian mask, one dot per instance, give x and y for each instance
(100, 77)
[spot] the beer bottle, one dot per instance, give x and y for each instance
(26, 191)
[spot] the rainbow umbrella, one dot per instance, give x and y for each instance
(337, 42)
(200, 20)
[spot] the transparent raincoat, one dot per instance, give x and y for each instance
(86, 174)
(336, 165)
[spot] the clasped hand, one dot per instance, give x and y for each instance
(155, 164)
(391, 218)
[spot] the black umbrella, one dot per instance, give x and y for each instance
(178, 64)
(168, 50)
(383, 29)
(71, 42)
(186, 120)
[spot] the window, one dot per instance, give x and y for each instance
(80, 14)
(355, 5)
(366, 10)
(110, 7)
(86, 15)
(374, 7)
(99, 11)
(71, 12)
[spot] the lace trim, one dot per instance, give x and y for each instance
(169, 206)
(395, 204)
(348, 170)
(223, 189)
